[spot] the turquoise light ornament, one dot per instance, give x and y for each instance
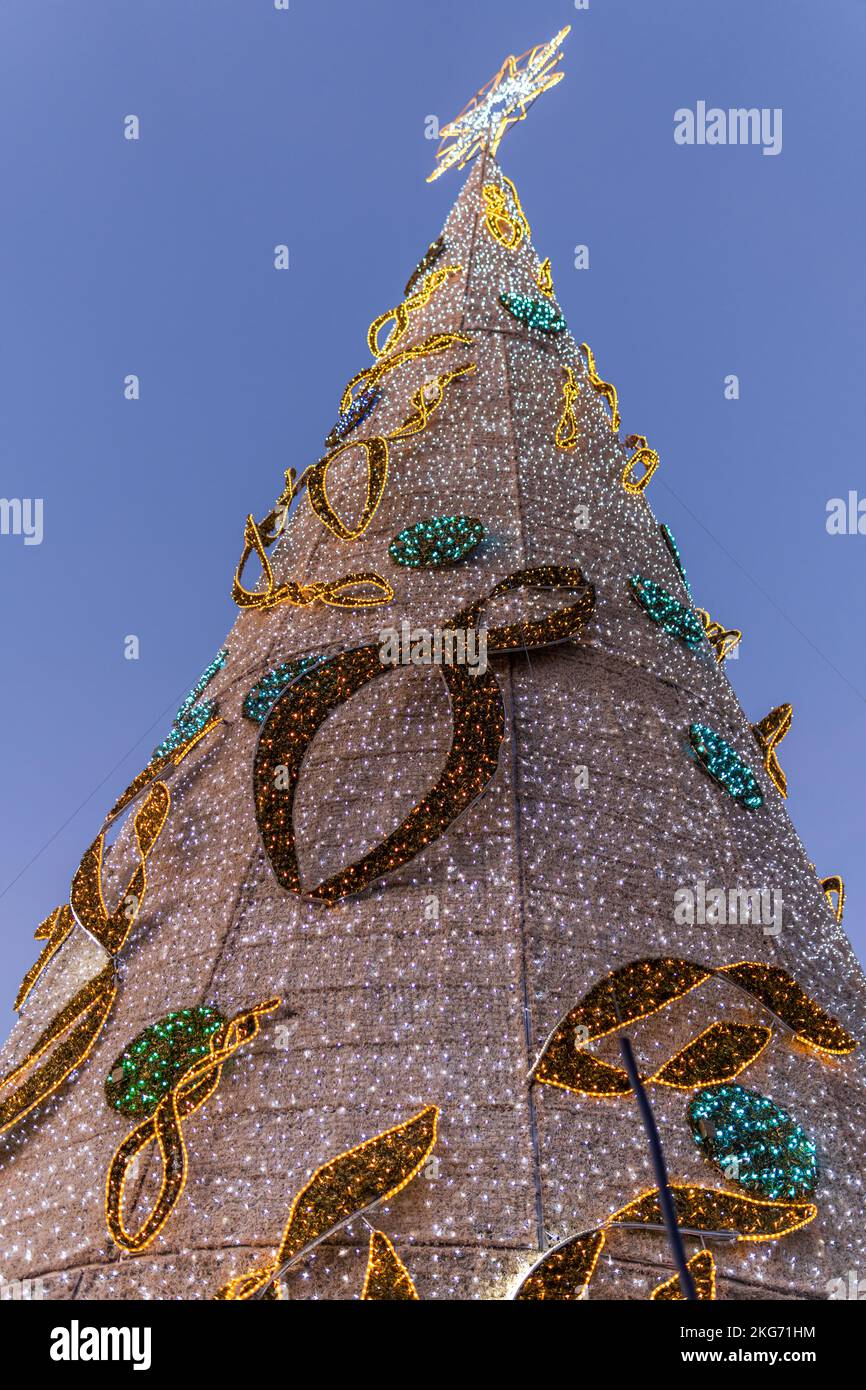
(154, 1062)
(672, 616)
(539, 314)
(258, 701)
(192, 716)
(754, 1142)
(725, 766)
(670, 542)
(436, 542)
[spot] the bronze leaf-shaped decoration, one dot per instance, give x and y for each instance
(705, 1209)
(781, 994)
(387, 1278)
(702, 1268)
(634, 991)
(575, 1069)
(718, 1054)
(112, 928)
(565, 1271)
(347, 1185)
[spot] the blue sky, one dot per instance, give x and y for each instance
(306, 127)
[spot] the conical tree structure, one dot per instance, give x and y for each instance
(439, 984)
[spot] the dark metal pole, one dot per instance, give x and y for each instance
(666, 1201)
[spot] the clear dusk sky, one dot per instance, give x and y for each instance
(306, 127)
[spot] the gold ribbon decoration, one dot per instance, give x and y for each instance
(834, 888)
(566, 429)
(722, 640)
(427, 400)
(702, 1268)
(53, 931)
(779, 992)
(769, 733)
(478, 726)
(165, 1129)
(399, 318)
(544, 279)
(564, 1272)
(603, 388)
(434, 251)
(345, 1187)
(507, 226)
(111, 929)
(68, 1038)
(375, 453)
(643, 456)
(369, 378)
(359, 589)
(387, 1279)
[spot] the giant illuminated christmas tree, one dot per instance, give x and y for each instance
(466, 796)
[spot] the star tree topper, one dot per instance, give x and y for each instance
(504, 101)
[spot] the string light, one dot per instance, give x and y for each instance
(375, 453)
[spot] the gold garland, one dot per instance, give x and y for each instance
(400, 316)
(79, 1024)
(644, 456)
(85, 897)
(603, 388)
(351, 1183)
(508, 228)
(544, 279)
(370, 377)
(722, 640)
(769, 733)
(426, 401)
(164, 1128)
(566, 429)
(376, 458)
(702, 1268)
(53, 931)
(387, 1278)
(834, 887)
(336, 592)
